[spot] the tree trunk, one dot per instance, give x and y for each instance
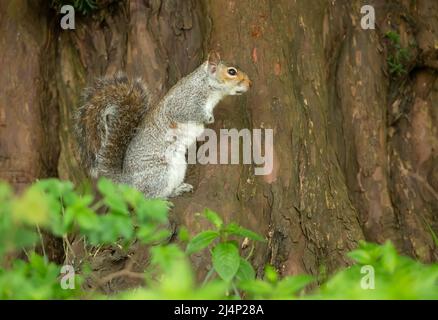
(355, 147)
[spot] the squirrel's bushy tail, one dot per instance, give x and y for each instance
(106, 122)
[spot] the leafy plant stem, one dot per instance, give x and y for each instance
(208, 276)
(42, 242)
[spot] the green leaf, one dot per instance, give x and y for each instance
(165, 256)
(389, 258)
(270, 274)
(160, 236)
(152, 210)
(131, 195)
(68, 220)
(393, 36)
(123, 225)
(111, 227)
(24, 238)
(201, 241)
(87, 219)
(214, 218)
(235, 229)
(256, 287)
(117, 204)
(246, 271)
(226, 260)
(361, 256)
(32, 207)
(293, 284)
(112, 196)
(183, 234)
(5, 192)
(149, 233)
(105, 186)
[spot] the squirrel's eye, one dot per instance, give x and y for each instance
(232, 71)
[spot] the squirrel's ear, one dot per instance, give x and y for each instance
(214, 57)
(213, 60)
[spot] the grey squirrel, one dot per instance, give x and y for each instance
(122, 137)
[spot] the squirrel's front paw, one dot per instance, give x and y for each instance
(182, 188)
(209, 119)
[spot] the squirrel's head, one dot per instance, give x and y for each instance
(228, 79)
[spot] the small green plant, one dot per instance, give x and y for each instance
(272, 287)
(54, 205)
(226, 259)
(398, 56)
(395, 276)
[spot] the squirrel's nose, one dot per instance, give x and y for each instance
(250, 83)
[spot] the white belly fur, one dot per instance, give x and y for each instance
(183, 136)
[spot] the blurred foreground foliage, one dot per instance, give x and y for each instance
(55, 207)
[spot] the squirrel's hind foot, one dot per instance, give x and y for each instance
(182, 188)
